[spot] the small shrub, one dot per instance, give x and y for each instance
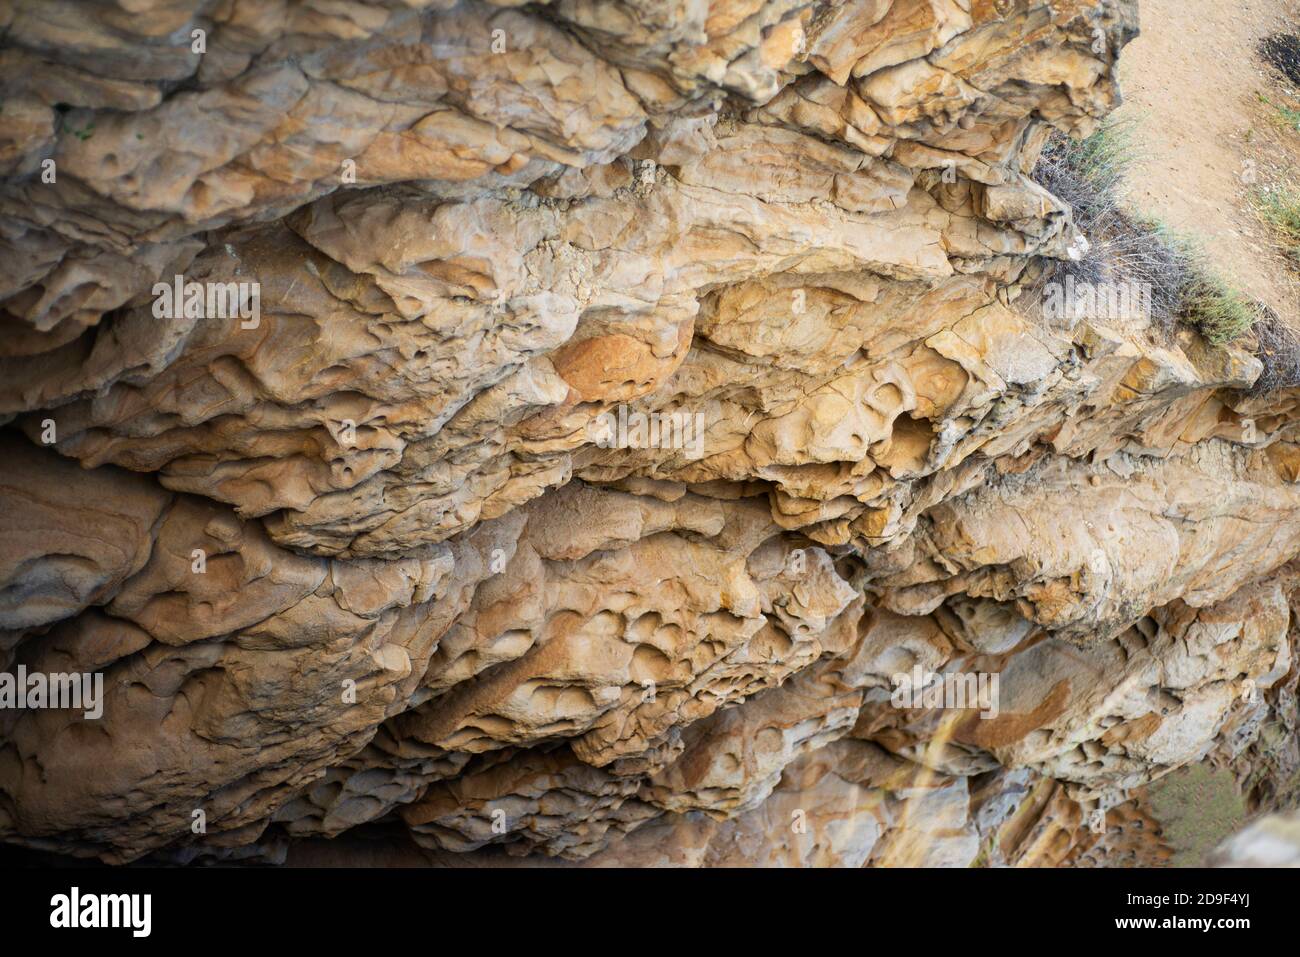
(1286, 115)
(1279, 349)
(1290, 117)
(1217, 310)
(1280, 209)
(1088, 175)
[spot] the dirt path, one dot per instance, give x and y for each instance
(1192, 84)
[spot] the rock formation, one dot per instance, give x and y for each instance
(394, 544)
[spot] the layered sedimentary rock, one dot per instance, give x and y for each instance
(382, 553)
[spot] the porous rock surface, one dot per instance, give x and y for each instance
(430, 598)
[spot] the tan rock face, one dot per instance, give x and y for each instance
(625, 395)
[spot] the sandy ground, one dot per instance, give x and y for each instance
(1192, 84)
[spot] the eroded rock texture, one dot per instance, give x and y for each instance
(368, 560)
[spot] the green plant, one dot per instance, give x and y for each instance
(1289, 116)
(83, 134)
(1217, 310)
(65, 126)
(1279, 208)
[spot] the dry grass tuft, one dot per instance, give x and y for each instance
(1126, 249)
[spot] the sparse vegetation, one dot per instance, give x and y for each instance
(1279, 349)
(1088, 175)
(1279, 346)
(1290, 117)
(1287, 115)
(1279, 208)
(1217, 310)
(82, 134)
(1124, 248)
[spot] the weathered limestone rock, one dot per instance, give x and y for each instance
(380, 551)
